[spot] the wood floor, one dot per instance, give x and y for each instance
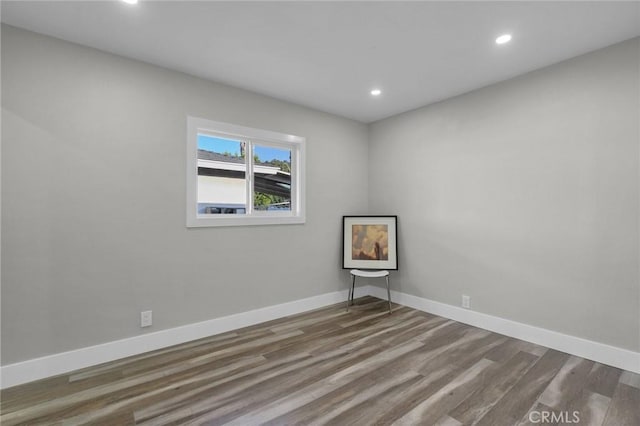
(329, 366)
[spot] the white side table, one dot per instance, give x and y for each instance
(367, 274)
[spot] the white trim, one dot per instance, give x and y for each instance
(52, 365)
(275, 218)
(218, 128)
(600, 352)
(252, 136)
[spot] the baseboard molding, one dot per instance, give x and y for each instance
(600, 352)
(53, 365)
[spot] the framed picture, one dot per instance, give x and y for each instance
(369, 242)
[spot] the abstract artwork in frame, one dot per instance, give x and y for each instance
(369, 242)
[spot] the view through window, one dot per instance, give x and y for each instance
(256, 175)
(221, 176)
(272, 178)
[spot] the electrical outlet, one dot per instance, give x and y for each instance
(466, 301)
(146, 318)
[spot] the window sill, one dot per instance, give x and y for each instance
(203, 221)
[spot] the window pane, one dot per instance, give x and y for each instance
(272, 178)
(221, 176)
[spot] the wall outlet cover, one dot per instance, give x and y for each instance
(466, 301)
(146, 318)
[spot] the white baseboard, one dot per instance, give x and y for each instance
(52, 365)
(600, 352)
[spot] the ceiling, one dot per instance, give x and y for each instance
(329, 55)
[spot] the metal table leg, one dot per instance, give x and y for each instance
(388, 293)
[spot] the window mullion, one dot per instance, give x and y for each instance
(294, 180)
(249, 176)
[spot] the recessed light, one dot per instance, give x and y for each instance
(376, 92)
(130, 1)
(504, 38)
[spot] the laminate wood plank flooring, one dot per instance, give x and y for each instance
(333, 367)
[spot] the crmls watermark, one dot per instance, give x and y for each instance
(554, 417)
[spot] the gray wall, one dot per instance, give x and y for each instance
(93, 201)
(524, 196)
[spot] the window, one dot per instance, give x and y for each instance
(242, 176)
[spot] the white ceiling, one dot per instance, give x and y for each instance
(329, 55)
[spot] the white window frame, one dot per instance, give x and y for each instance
(253, 136)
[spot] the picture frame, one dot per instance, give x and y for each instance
(370, 242)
